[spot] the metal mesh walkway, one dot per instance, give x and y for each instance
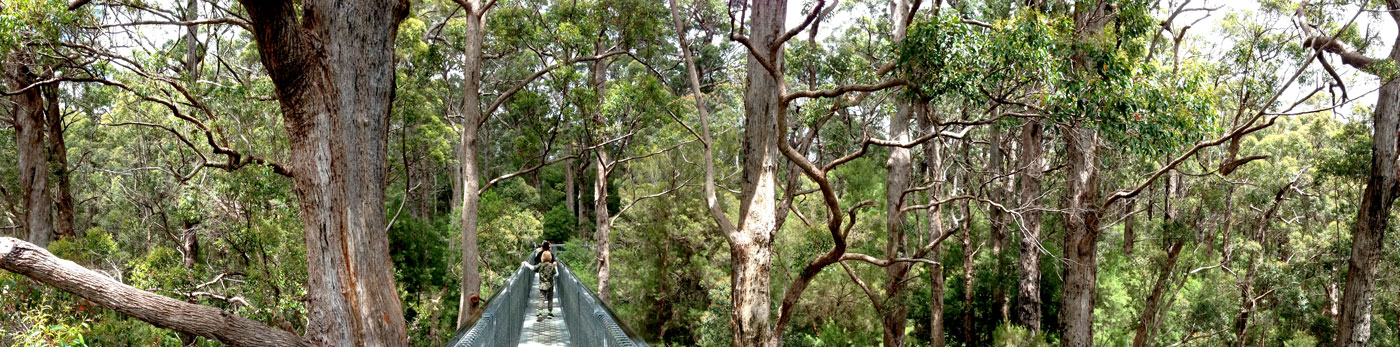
(549, 332)
(580, 318)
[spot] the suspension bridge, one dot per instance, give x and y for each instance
(507, 319)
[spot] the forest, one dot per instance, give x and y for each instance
(738, 172)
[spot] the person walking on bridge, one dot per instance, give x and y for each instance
(546, 270)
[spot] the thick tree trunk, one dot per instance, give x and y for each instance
(334, 75)
(1082, 194)
(468, 161)
(899, 168)
(34, 262)
(332, 65)
(33, 170)
(58, 164)
(1081, 235)
(1373, 218)
(751, 245)
(1028, 284)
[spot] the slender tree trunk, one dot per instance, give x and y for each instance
(997, 218)
(1028, 286)
(933, 159)
(1148, 319)
(58, 163)
(1241, 324)
(470, 171)
(1373, 218)
(189, 235)
(996, 168)
(581, 213)
(897, 177)
(1129, 223)
(602, 227)
(33, 171)
(570, 184)
(969, 336)
(1081, 235)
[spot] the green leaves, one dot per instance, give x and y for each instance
(1149, 110)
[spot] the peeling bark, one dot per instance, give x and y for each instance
(1028, 284)
(899, 168)
(1081, 235)
(332, 64)
(58, 164)
(933, 159)
(33, 170)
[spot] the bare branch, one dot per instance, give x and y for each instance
(842, 90)
(501, 99)
(37, 263)
(811, 16)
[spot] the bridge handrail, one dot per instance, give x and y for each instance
(578, 302)
(500, 322)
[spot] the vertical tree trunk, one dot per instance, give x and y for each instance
(570, 183)
(996, 168)
(751, 246)
(897, 177)
(1148, 319)
(602, 227)
(58, 163)
(1373, 218)
(933, 159)
(581, 213)
(1028, 284)
(997, 218)
(1241, 323)
(1129, 235)
(969, 336)
(1082, 194)
(334, 75)
(1081, 235)
(33, 170)
(467, 159)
